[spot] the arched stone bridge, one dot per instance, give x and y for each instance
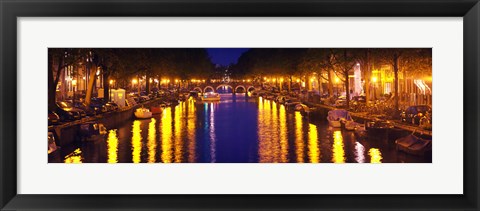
(234, 86)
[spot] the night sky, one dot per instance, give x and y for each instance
(225, 56)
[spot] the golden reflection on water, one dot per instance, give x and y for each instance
(112, 144)
(191, 130)
(178, 132)
(338, 151)
(274, 133)
(152, 141)
(166, 129)
(299, 137)
(375, 155)
(74, 157)
(136, 142)
(313, 150)
(264, 138)
(283, 134)
(213, 138)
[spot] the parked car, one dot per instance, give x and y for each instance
(90, 111)
(53, 118)
(112, 106)
(67, 112)
(145, 98)
(98, 105)
(359, 99)
(341, 101)
(413, 114)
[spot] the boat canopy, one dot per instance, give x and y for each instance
(338, 114)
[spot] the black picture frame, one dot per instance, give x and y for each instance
(10, 10)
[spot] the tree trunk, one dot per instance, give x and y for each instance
(147, 83)
(319, 82)
(106, 85)
(404, 91)
(51, 84)
(347, 82)
(139, 85)
(330, 83)
(91, 83)
(367, 75)
(290, 84)
(395, 72)
(347, 88)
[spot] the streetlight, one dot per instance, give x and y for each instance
(134, 81)
(337, 80)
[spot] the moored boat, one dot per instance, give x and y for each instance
(92, 131)
(414, 145)
(351, 125)
(143, 113)
(211, 96)
(52, 146)
(378, 127)
(339, 117)
(291, 106)
(303, 109)
(360, 131)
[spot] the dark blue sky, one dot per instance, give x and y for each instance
(225, 56)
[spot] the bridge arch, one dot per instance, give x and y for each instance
(205, 89)
(222, 85)
(240, 86)
(197, 89)
(250, 88)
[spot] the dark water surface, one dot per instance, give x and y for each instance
(237, 129)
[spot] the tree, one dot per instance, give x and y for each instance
(344, 62)
(55, 56)
(319, 61)
(363, 56)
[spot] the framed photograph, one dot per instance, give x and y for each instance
(167, 105)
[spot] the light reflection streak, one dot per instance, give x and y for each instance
(375, 155)
(264, 141)
(299, 137)
(152, 141)
(338, 151)
(166, 128)
(313, 150)
(136, 142)
(212, 134)
(112, 144)
(178, 133)
(274, 133)
(191, 131)
(74, 157)
(283, 134)
(359, 153)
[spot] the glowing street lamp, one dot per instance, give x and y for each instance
(337, 81)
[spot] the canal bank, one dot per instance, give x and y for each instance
(67, 134)
(362, 117)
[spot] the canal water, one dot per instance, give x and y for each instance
(237, 129)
